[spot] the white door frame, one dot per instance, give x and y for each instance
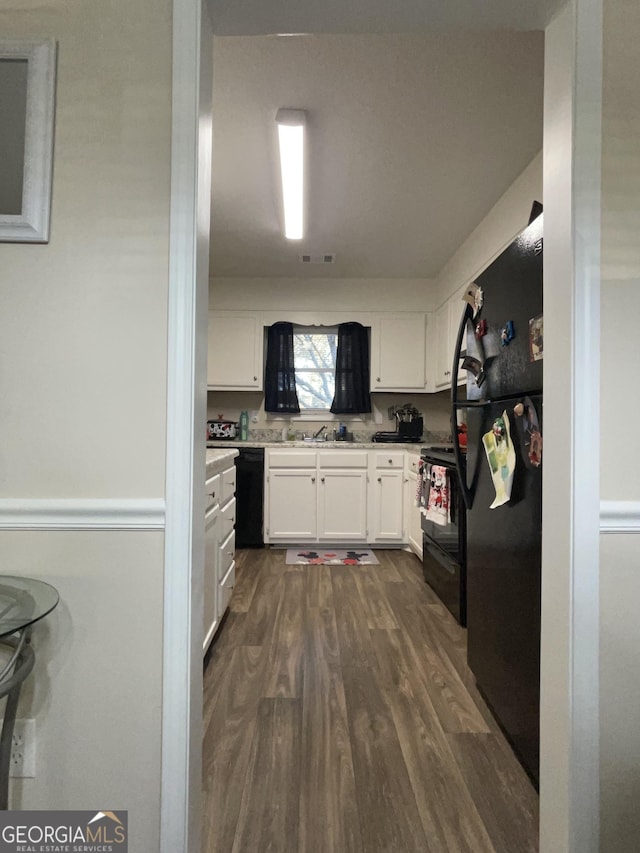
(180, 819)
(569, 703)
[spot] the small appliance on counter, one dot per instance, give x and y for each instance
(410, 426)
(221, 430)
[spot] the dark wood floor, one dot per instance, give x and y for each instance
(340, 716)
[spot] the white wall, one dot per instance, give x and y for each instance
(620, 463)
(507, 217)
(322, 294)
(83, 326)
(83, 319)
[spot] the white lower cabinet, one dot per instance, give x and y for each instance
(334, 496)
(388, 505)
(342, 506)
(219, 546)
(210, 592)
(412, 514)
(387, 496)
(292, 505)
(322, 499)
(226, 571)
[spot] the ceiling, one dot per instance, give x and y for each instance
(412, 138)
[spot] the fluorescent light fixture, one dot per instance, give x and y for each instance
(291, 138)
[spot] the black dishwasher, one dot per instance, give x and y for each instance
(249, 497)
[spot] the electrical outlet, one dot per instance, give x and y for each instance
(22, 762)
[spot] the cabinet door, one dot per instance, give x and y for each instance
(388, 506)
(444, 353)
(456, 308)
(235, 352)
(447, 321)
(291, 505)
(342, 506)
(412, 516)
(210, 602)
(398, 348)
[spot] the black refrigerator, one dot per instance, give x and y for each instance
(504, 341)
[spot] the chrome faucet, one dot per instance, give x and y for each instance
(320, 431)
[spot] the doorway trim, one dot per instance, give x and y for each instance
(181, 772)
(570, 797)
(569, 701)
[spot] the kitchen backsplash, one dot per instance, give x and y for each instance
(358, 435)
(435, 409)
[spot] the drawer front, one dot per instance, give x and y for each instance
(391, 459)
(226, 588)
(212, 491)
(292, 458)
(343, 459)
(227, 554)
(227, 519)
(227, 484)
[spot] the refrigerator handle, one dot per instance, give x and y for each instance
(459, 404)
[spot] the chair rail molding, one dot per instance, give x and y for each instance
(82, 514)
(619, 516)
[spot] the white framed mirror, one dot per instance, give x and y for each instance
(27, 108)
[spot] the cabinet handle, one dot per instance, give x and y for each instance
(390, 461)
(313, 479)
(322, 479)
(255, 378)
(212, 494)
(379, 479)
(377, 379)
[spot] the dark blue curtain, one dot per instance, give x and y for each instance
(352, 371)
(280, 373)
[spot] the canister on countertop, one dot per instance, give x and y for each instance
(244, 425)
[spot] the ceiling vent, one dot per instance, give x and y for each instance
(317, 259)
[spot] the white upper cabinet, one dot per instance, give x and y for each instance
(398, 352)
(446, 321)
(444, 355)
(236, 351)
(456, 310)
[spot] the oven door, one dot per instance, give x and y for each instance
(447, 537)
(447, 579)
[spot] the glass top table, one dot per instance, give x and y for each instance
(24, 601)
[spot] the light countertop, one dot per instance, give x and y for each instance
(414, 447)
(219, 458)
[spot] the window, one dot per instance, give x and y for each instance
(314, 352)
(317, 372)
